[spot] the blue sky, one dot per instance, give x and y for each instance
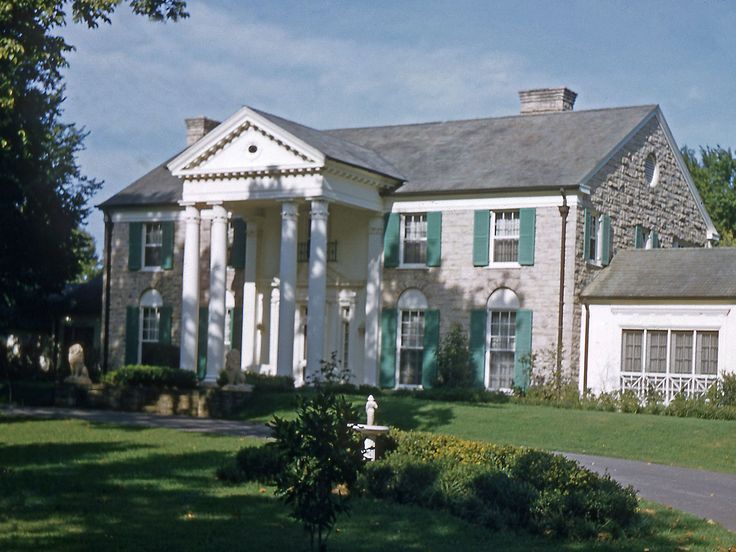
(334, 64)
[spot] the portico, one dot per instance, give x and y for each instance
(308, 228)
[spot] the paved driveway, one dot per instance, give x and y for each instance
(705, 494)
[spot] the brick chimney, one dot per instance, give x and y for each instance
(547, 100)
(197, 127)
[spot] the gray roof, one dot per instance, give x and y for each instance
(548, 150)
(696, 273)
(336, 148)
(156, 187)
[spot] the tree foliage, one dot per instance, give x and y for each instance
(43, 193)
(714, 173)
(322, 457)
(453, 359)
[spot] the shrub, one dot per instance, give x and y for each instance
(319, 452)
(260, 464)
(728, 390)
(156, 376)
(269, 384)
(501, 486)
(454, 363)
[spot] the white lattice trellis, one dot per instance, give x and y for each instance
(666, 385)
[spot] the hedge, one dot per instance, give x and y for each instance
(155, 376)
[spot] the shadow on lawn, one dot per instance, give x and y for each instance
(123, 495)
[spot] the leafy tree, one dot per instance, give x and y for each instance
(322, 456)
(714, 173)
(88, 265)
(454, 362)
(43, 193)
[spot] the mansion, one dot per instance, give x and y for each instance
(293, 245)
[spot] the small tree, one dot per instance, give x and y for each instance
(322, 457)
(453, 359)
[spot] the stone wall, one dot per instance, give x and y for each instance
(619, 189)
(457, 287)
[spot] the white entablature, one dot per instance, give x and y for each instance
(249, 157)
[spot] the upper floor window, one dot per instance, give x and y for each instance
(414, 239)
(644, 238)
(651, 170)
(597, 238)
(152, 244)
(505, 236)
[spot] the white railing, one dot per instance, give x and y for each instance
(666, 386)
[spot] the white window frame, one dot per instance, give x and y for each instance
(501, 300)
(411, 300)
(402, 232)
(489, 340)
(669, 361)
(597, 234)
(150, 300)
(146, 226)
(492, 240)
(346, 315)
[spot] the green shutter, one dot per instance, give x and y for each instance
(167, 245)
(587, 222)
(477, 343)
(202, 343)
(237, 250)
(527, 225)
(605, 240)
(132, 319)
(655, 240)
(388, 348)
(391, 232)
(236, 328)
(434, 238)
(431, 342)
(522, 355)
(164, 325)
(638, 237)
(481, 229)
(135, 235)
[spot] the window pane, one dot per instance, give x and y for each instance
(149, 327)
(681, 353)
(410, 367)
(501, 370)
(502, 347)
(706, 358)
(415, 239)
(631, 357)
(656, 352)
(505, 236)
(153, 243)
(412, 347)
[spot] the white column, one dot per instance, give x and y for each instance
(248, 357)
(373, 300)
(218, 276)
(190, 292)
(287, 289)
(316, 321)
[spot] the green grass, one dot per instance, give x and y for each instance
(689, 442)
(70, 485)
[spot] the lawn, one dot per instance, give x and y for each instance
(71, 485)
(689, 442)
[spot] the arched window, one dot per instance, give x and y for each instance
(501, 338)
(410, 337)
(150, 323)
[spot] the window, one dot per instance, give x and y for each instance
(410, 339)
(505, 236)
(414, 239)
(502, 349)
(598, 238)
(651, 170)
(691, 352)
(151, 305)
(153, 244)
(229, 320)
(706, 358)
(631, 357)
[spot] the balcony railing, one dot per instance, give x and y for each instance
(666, 386)
(302, 251)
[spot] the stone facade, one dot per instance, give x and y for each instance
(619, 189)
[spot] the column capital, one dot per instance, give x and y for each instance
(219, 213)
(191, 213)
(319, 209)
(289, 210)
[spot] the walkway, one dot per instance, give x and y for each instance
(705, 494)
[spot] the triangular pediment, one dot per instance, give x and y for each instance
(246, 143)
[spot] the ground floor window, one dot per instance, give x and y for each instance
(150, 323)
(345, 336)
(502, 349)
(411, 347)
(679, 352)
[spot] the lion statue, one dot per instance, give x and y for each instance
(232, 368)
(79, 374)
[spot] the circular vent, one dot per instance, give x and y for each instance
(651, 170)
(252, 149)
